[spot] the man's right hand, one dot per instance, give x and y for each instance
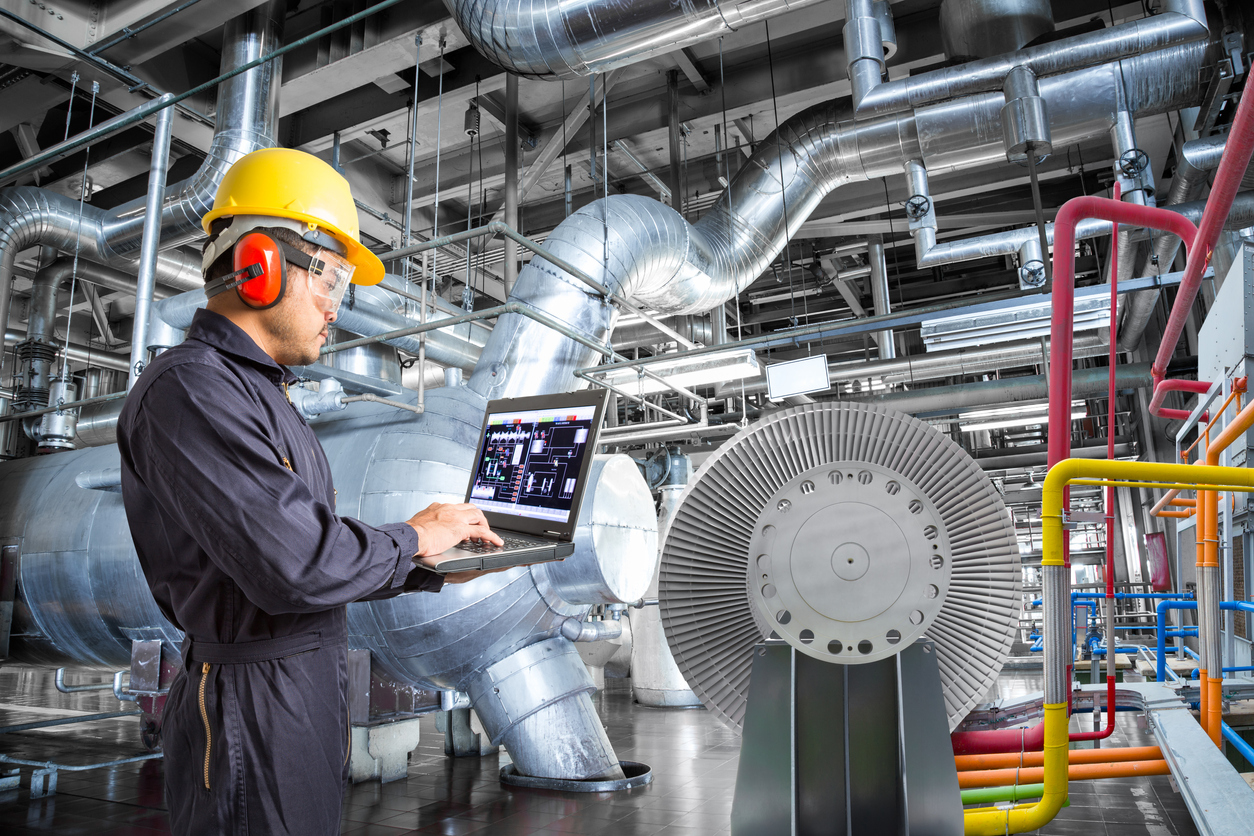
(443, 525)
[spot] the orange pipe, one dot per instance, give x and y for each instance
(1238, 386)
(1076, 772)
(1208, 517)
(1183, 503)
(1177, 515)
(969, 763)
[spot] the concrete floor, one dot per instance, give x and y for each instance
(693, 757)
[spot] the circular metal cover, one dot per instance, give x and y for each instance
(714, 608)
(851, 563)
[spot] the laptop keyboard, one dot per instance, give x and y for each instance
(483, 547)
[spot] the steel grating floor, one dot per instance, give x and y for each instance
(693, 757)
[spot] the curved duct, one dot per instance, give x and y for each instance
(558, 39)
(247, 116)
(246, 121)
(647, 251)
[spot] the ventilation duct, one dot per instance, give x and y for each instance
(246, 121)
(983, 28)
(654, 256)
(553, 39)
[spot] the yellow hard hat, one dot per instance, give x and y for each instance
(286, 183)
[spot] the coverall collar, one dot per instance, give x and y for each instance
(216, 330)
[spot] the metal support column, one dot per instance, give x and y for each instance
(150, 244)
(672, 90)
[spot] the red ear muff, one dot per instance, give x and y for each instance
(266, 289)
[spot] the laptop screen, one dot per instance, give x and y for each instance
(531, 461)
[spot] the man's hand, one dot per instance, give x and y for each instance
(443, 525)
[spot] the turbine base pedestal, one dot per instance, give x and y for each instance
(857, 750)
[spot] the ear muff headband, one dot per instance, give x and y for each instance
(265, 289)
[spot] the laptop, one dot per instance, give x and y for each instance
(529, 478)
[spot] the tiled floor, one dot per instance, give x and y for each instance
(693, 759)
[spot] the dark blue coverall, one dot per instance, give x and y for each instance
(230, 503)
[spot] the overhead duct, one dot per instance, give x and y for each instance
(246, 120)
(1180, 22)
(553, 39)
(646, 251)
(983, 28)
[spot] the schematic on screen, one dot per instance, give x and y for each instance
(529, 461)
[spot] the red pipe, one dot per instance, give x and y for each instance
(1060, 359)
(1071, 213)
(1236, 158)
(1109, 493)
(996, 741)
(1162, 387)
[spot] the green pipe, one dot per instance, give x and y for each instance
(991, 795)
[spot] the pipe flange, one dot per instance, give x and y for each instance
(851, 563)
(637, 775)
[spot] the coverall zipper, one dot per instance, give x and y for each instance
(204, 715)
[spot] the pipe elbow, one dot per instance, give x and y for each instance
(591, 631)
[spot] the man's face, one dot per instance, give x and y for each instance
(297, 326)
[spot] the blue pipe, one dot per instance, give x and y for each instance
(1161, 613)
(1126, 595)
(1246, 750)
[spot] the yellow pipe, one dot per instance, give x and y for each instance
(1145, 483)
(990, 821)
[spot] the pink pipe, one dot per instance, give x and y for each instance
(1232, 166)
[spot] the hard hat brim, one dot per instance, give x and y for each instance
(368, 269)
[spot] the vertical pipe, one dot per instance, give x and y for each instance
(407, 226)
(672, 92)
(879, 293)
(150, 244)
(511, 179)
(592, 130)
(1203, 604)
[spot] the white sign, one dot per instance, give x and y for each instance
(797, 377)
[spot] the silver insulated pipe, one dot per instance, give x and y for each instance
(556, 39)
(246, 120)
(648, 252)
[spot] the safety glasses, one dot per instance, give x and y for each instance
(329, 276)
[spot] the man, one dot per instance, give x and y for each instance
(230, 503)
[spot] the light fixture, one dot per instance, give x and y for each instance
(797, 377)
(1010, 322)
(1018, 415)
(688, 372)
